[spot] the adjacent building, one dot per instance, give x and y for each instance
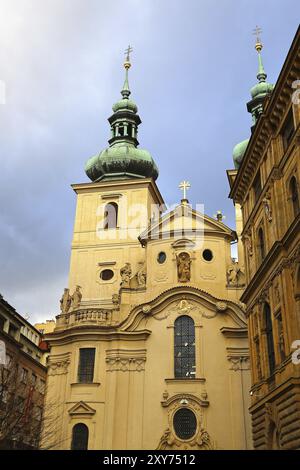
(22, 380)
(266, 186)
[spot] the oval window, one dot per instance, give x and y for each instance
(185, 423)
(161, 257)
(207, 255)
(106, 274)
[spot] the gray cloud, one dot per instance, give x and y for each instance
(193, 64)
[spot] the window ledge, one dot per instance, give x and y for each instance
(192, 380)
(89, 384)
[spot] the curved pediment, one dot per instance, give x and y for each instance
(184, 299)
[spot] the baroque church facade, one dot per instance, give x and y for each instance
(150, 349)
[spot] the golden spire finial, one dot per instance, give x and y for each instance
(127, 63)
(257, 32)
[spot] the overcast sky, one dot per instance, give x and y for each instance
(194, 63)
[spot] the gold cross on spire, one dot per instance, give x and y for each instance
(127, 53)
(257, 32)
(184, 186)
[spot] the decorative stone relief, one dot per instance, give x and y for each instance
(125, 364)
(183, 307)
(239, 363)
(58, 365)
(220, 307)
(201, 441)
(125, 361)
(147, 309)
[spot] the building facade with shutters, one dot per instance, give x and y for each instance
(266, 185)
(150, 349)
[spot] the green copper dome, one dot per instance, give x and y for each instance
(261, 89)
(125, 104)
(122, 159)
(238, 152)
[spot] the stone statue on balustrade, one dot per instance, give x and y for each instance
(65, 301)
(76, 298)
(126, 273)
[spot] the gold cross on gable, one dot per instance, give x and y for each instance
(184, 186)
(127, 53)
(257, 32)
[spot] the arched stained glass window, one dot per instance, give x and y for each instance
(80, 437)
(184, 348)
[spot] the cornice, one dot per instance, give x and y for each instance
(279, 247)
(93, 333)
(119, 185)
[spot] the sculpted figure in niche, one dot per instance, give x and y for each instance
(184, 267)
(142, 276)
(248, 244)
(65, 301)
(126, 273)
(267, 205)
(76, 298)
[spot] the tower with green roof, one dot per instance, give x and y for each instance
(255, 106)
(122, 159)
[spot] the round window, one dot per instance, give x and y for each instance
(207, 255)
(106, 274)
(161, 257)
(185, 423)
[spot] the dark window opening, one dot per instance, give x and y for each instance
(269, 335)
(86, 365)
(207, 255)
(161, 257)
(288, 129)
(261, 245)
(80, 437)
(110, 215)
(106, 274)
(257, 187)
(294, 194)
(184, 344)
(121, 131)
(185, 423)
